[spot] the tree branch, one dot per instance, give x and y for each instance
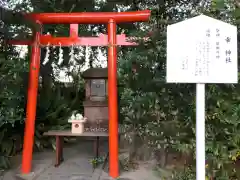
(12, 17)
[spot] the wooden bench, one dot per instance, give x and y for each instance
(60, 134)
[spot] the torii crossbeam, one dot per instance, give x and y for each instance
(111, 41)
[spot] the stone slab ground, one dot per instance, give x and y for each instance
(76, 166)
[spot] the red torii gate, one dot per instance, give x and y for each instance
(111, 40)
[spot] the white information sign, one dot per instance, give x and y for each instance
(202, 50)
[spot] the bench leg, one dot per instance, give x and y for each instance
(105, 161)
(59, 150)
(97, 148)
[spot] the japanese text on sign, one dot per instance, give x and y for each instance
(202, 54)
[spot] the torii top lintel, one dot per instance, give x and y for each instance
(84, 18)
(90, 17)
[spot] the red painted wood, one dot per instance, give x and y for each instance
(112, 100)
(31, 106)
(90, 17)
(101, 40)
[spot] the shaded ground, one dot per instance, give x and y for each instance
(76, 166)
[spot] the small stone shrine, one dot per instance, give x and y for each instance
(96, 101)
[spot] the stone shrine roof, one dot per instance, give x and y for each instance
(95, 73)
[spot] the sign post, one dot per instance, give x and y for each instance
(201, 54)
(200, 131)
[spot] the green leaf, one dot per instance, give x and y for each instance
(236, 13)
(218, 4)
